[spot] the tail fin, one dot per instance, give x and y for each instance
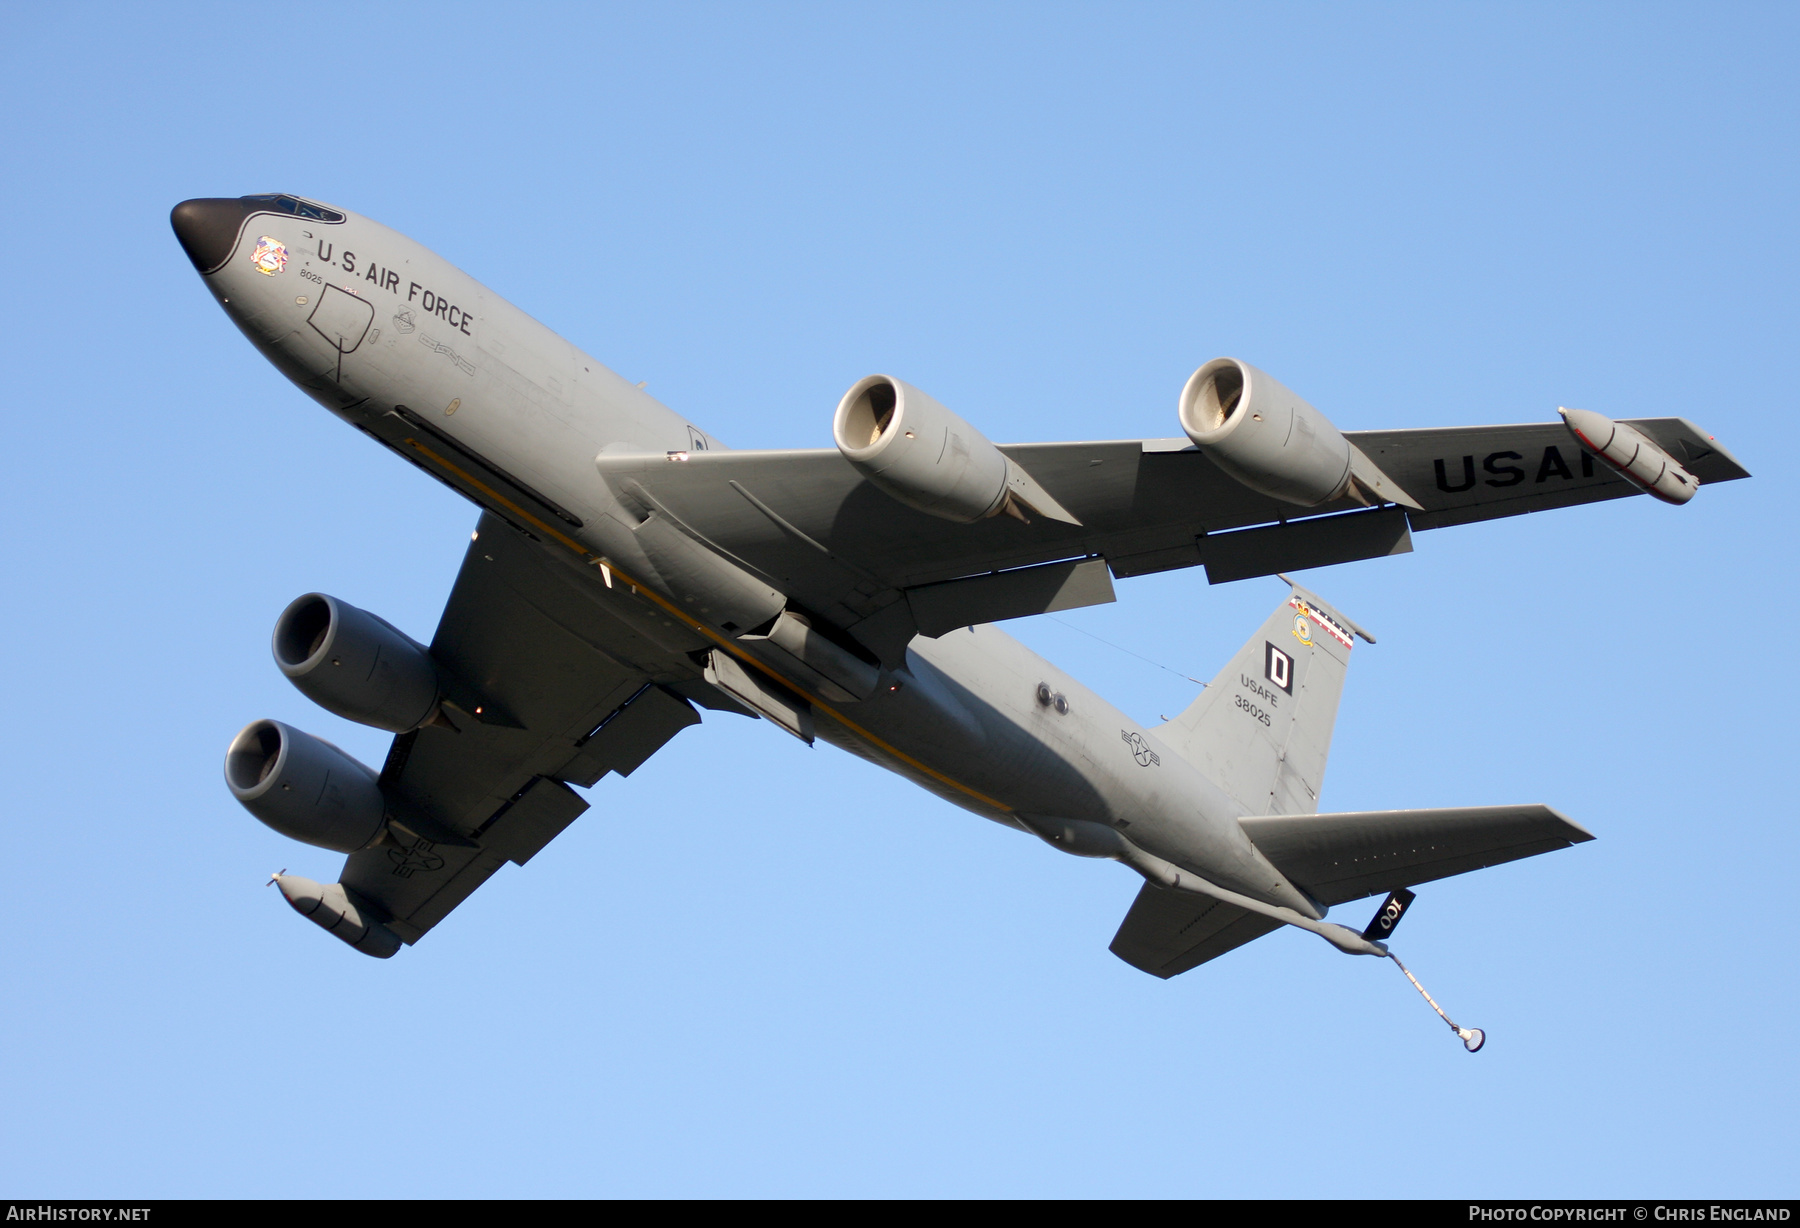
(1262, 730)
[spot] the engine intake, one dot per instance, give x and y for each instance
(1263, 435)
(1259, 432)
(305, 788)
(355, 665)
(930, 459)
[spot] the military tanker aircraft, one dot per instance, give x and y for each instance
(628, 570)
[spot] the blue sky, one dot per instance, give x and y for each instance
(758, 969)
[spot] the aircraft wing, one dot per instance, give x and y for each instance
(565, 692)
(1467, 473)
(850, 554)
(1336, 858)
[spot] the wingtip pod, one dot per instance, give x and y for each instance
(1628, 452)
(330, 907)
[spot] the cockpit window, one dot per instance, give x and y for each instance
(282, 203)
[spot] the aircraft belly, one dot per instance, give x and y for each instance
(1076, 763)
(926, 776)
(1022, 755)
(1078, 757)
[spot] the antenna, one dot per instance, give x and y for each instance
(1472, 1038)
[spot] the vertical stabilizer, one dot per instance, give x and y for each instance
(1262, 730)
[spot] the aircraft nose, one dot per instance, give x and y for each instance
(208, 229)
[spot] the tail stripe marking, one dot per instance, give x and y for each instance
(1337, 632)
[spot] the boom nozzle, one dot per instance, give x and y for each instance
(1472, 1038)
(1386, 918)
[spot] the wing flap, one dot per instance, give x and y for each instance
(954, 604)
(1299, 544)
(521, 828)
(1342, 857)
(418, 882)
(629, 736)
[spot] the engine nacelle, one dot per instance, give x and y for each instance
(355, 665)
(305, 788)
(928, 458)
(919, 452)
(1263, 435)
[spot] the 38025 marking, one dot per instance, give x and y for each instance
(1253, 710)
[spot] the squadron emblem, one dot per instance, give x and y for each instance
(270, 256)
(1303, 632)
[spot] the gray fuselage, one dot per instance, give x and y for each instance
(384, 333)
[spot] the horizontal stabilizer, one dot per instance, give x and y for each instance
(1341, 857)
(1168, 932)
(1336, 858)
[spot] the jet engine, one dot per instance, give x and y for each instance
(929, 459)
(355, 665)
(305, 788)
(1260, 433)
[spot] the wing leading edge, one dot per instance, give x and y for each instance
(814, 529)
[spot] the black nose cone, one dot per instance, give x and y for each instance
(208, 229)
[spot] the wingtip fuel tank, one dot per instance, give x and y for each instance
(329, 906)
(1632, 455)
